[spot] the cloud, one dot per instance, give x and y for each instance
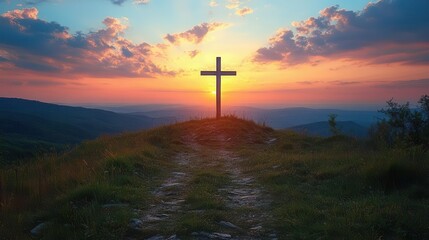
(213, 3)
(31, 82)
(29, 43)
(34, 2)
(196, 34)
(138, 2)
(387, 31)
(30, 13)
(43, 83)
(244, 11)
(118, 2)
(233, 4)
(193, 53)
(28, 2)
(417, 84)
(345, 83)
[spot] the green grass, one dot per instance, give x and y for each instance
(68, 191)
(204, 194)
(321, 188)
(205, 207)
(338, 188)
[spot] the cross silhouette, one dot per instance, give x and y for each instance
(218, 73)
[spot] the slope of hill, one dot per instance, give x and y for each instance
(322, 129)
(28, 126)
(218, 179)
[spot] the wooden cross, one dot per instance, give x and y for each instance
(218, 73)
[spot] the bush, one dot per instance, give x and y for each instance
(402, 126)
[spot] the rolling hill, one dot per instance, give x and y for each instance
(275, 118)
(28, 127)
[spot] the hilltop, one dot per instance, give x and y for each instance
(218, 179)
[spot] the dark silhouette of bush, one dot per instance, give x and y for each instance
(402, 126)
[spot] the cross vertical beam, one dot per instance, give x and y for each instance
(218, 73)
(218, 87)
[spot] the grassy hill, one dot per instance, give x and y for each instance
(227, 176)
(28, 128)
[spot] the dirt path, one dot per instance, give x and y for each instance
(246, 202)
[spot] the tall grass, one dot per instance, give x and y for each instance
(70, 189)
(338, 188)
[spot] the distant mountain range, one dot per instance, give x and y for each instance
(275, 118)
(29, 126)
(322, 129)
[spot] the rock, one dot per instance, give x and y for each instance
(177, 202)
(206, 235)
(37, 231)
(150, 218)
(173, 237)
(157, 237)
(257, 228)
(135, 224)
(169, 185)
(115, 205)
(222, 235)
(179, 173)
(229, 225)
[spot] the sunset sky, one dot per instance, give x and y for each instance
(324, 53)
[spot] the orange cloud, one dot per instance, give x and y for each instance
(244, 11)
(232, 4)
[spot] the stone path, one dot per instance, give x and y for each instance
(249, 202)
(245, 194)
(163, 213)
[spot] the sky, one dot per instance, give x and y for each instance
(287, 53)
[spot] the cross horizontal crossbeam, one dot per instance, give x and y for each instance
(222, 73)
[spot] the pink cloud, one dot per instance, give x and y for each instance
(30, 13)
(384, 32)
(33, 44)
(196, 34)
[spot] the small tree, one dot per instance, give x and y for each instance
(333, 124)
(424, 109)
(406, 127)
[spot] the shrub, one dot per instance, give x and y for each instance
(402, 126)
